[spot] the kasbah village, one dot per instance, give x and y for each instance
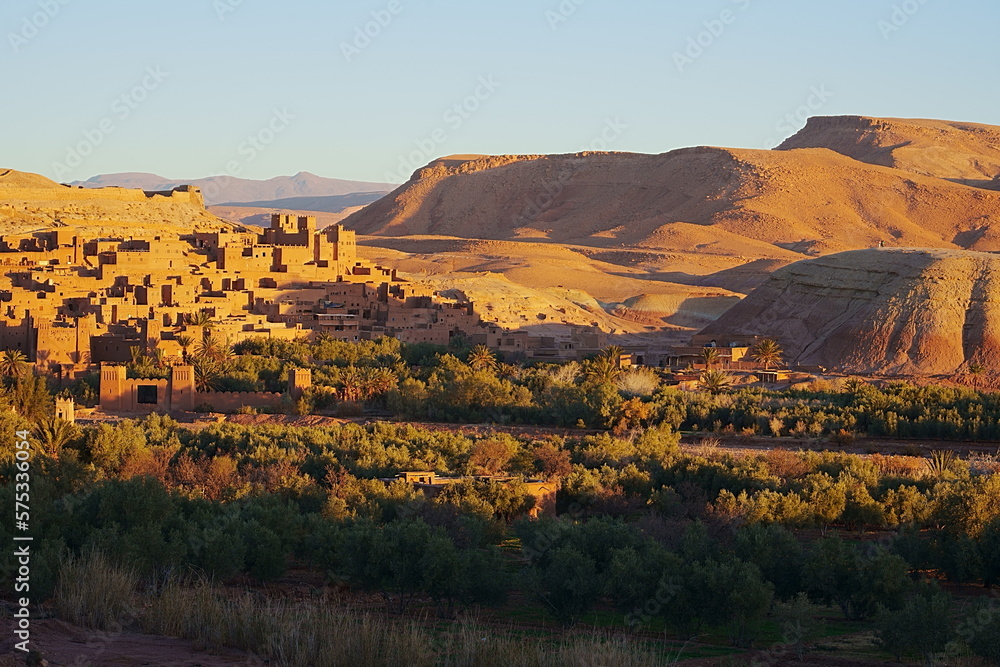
(73, 305)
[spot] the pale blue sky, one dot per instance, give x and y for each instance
(556, 80)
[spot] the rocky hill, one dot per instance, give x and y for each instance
(674, 240)
(885, 311)
(966, 153)
(757, 204)
(29, 202)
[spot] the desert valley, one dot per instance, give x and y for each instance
(710, 406)
(653, 248)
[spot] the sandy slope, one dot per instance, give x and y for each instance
(538, 279)
(760, 204)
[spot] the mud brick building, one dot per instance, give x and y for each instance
(178, 393)
(72, 303)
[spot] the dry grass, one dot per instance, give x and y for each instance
(899, 466)
(708, 448)
(639, 382)
(786, 464)
(95, 593)
(984, 464)
(290, 633)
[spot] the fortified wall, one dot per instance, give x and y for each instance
(186, 194)
(178, 393)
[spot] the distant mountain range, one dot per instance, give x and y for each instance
(322, 204)
(228, 190)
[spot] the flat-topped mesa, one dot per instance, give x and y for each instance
(881, 311)
(779, 204)
(967, 153)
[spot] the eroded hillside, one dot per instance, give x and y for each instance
(886, 311)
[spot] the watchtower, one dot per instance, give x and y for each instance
(182, 388)
(66, 410)
(112, 387)
(299, 379)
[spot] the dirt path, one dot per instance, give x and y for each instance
(61, 643)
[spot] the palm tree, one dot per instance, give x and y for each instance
(711, 356)
(52, 434)
(603, 370)
(767, 352)
(508, 371)
(975, 370)
(614, 354)
(207, 373)
(202, 320)
(185, 342)
(377, 381)
(351, 384)
(481, 358)
(854, 385)
(136, 353)
(715, 382)
(13, 363)
(213, 347)
(941, 462)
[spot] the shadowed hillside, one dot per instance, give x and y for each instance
(892, 311)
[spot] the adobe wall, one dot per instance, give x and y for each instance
(75, 195)
(126, 396)
(17, 336)
(233, 401)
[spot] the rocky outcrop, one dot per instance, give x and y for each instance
(966, 153)
(889, 311)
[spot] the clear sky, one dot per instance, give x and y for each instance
(259, 88)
